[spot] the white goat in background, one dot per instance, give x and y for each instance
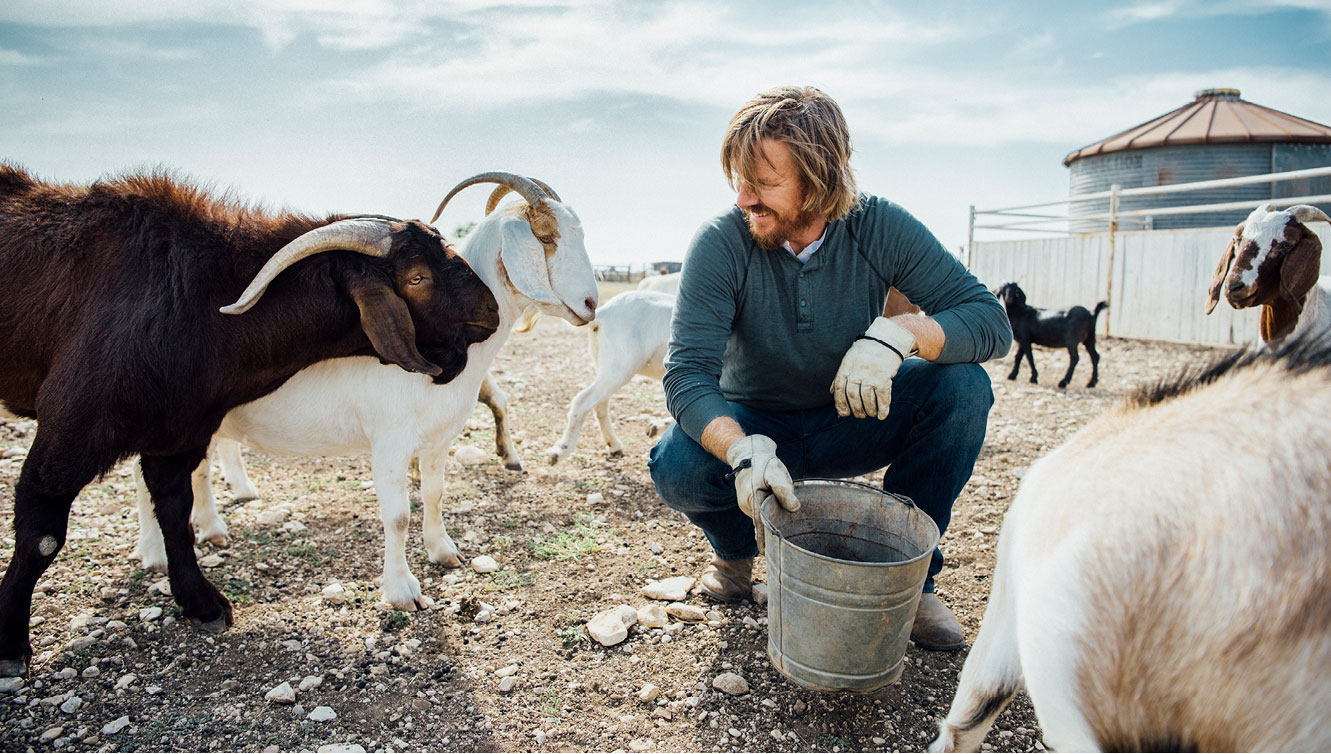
(629, 337)
(530, 253)
(668, 283)
(1162, 578)
(1273, 261)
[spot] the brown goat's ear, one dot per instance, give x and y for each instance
(1300, 268)
(1221, 270)
(897, 303)
(387, 322)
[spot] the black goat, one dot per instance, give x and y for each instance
(1058, 328)
(113, 339)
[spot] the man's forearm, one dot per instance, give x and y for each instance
(929, 335)
(718, 435)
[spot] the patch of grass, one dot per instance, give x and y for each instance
(307, 552)
(395, 619)
(510, 523)
(508, 580)
(235, 589)
(552, 705)
(571, 635)
(262, 537)
(584, 538)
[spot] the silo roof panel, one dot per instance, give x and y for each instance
(1216, 116)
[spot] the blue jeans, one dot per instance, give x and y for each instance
(929, 441)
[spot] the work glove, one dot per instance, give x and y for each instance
(863, 384)
(757, 473)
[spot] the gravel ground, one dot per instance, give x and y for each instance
(503, 661)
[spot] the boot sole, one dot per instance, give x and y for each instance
(938, 647)
(720, 598)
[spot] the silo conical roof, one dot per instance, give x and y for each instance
(1215, 116)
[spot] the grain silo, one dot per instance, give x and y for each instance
(1217, 135)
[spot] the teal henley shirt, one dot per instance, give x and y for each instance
(762, 328)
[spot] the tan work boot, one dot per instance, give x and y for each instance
(727, 580)
(935, 626)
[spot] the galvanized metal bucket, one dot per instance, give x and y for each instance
(844, 575)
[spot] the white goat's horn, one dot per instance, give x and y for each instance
(502, 190)
(530, 190)
(372, 236)
(1307, 213)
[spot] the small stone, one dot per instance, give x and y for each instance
(71, 705)
(50, 734)
(649, 692)
(124, 681)
(310, 682)
(483, 616)
(272, 517)
(161, 586)
(335, 594)
(295, 527)
(595, 498)
(10, 685)
(506, 685)
(484, 564)
(684, 611)
(470, 455)
(153, 690)
(731, 684)
(641, 744)
(83, 642)
(759, 594)
(540, 737)
(877, 741)
(653, 615)
(211, 561)
(115, 726)
(507, 671)
(322, 714)
(92, 671)
(352, 748)
(610, 627)
(281, 694)
(150, 613)
(672, 589)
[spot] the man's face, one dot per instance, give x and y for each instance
(773, 202)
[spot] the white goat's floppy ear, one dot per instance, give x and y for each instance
(1221, 270)
(524, 260)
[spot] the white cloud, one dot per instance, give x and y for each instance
(16, 58)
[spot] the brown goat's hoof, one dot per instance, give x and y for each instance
(215, 626)
(14, 668)
(616, 454)
(245, 498)
(515, 466)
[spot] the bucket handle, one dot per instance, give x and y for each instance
(760, 520)
(849, 483)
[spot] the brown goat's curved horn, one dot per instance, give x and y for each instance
(1307, 213)
(372, 236)
(529, 189)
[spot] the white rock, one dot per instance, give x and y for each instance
(484, 564)
(641, 744)
(335, 594)
(310, 682)
(295, 527)
(211, 561)
(51, 734)
(672, 589)
(126, 680)
(507, 671)
(610, 627)
(730, 684)
(470, 455)
(322, 715)
(10, 685)
(684, 611)
(92, 671)
(281, 694)
(506, 685)
(115, 726)
(71, 705)
(595, 498)
(272, 517)
(759, 594)
(150, 613)
(161, 586)
(653, 615)
(353, 748)
(649, 692)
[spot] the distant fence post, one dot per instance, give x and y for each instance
(1113, 230)
(970, 237)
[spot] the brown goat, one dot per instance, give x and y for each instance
(113, 340)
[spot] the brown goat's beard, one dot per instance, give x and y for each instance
(786, 226)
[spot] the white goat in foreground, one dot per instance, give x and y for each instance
(629, 337)
(530, 253)
(1162, 579)
(1273, 261)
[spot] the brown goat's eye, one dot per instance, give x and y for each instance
(546, 240)
(416, 279)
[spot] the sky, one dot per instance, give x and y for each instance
(381, 106)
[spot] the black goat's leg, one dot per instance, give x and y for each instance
(1095, 363)
(1016, 363)
(168, 480)
(1030, 359)
(42, 498)
(1072, 365)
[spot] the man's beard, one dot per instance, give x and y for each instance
(785, 226)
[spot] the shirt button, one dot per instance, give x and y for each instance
(803, 302)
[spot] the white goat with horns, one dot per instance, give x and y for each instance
(530, 253)
(1273, 261)
(1162, 577)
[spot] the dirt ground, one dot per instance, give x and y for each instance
(112, 673)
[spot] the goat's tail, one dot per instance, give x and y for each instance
(1099, 308)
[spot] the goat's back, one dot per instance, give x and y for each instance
(1190, 537)
(633, 329)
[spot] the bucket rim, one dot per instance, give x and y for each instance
(824, 481)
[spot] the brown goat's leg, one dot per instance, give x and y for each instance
(168, 479)
(41, 518)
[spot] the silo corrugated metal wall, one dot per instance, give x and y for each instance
(1160, 166)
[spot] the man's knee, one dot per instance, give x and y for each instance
(965, 390)
(682, 472)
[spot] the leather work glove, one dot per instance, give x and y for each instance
(758, 473)
(863, 384)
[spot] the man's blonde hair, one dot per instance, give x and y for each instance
(812, 126)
